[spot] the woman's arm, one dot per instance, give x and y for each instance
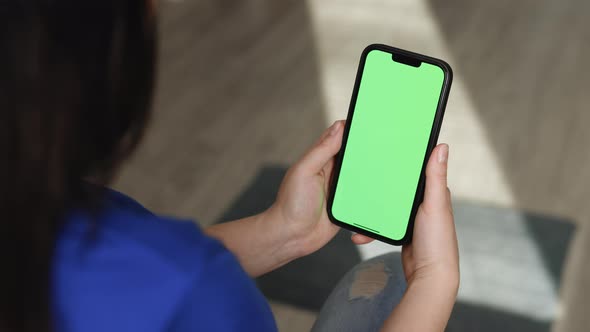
(297, 223)
(258, 242)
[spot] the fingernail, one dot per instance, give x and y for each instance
(443, 154)
(335, 128)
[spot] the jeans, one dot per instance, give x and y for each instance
(364, 297)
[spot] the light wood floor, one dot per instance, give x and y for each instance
(524, 66)
(238, 89)
(247, 83)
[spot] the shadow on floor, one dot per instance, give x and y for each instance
(473, 317)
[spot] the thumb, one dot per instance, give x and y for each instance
(436, 195)
(324, 150)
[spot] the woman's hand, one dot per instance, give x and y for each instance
(297, 223)
(300, 207)
(432, 257)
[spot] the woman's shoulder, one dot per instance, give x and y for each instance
(127, 257)
(124, 222)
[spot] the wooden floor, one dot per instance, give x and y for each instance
(247, 83)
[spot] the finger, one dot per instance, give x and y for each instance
(326, 133)
(407, 259)
(361, 239)
(436, 192)
(316, 158)
(328, 168)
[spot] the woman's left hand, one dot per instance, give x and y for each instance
(301, 202)
(297, 223)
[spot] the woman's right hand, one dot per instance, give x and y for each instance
(431, 261)
(433, 254)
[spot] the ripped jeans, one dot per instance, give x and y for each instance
(364, 297)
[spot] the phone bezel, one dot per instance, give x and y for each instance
(432, 141)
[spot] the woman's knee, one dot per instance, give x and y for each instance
(377, 275)
(365, 296)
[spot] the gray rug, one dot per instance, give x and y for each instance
(511, 263)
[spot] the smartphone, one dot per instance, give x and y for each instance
(395, 115)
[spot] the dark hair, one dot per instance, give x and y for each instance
(76, 81)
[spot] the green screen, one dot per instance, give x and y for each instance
(386, 146)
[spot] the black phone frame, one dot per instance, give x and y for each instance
(432, 141)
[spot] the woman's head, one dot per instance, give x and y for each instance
(76, 82)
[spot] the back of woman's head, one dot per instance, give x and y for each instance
(75, 90)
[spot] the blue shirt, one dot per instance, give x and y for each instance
(126, 269)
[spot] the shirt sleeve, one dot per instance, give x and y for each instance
(223, 298)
